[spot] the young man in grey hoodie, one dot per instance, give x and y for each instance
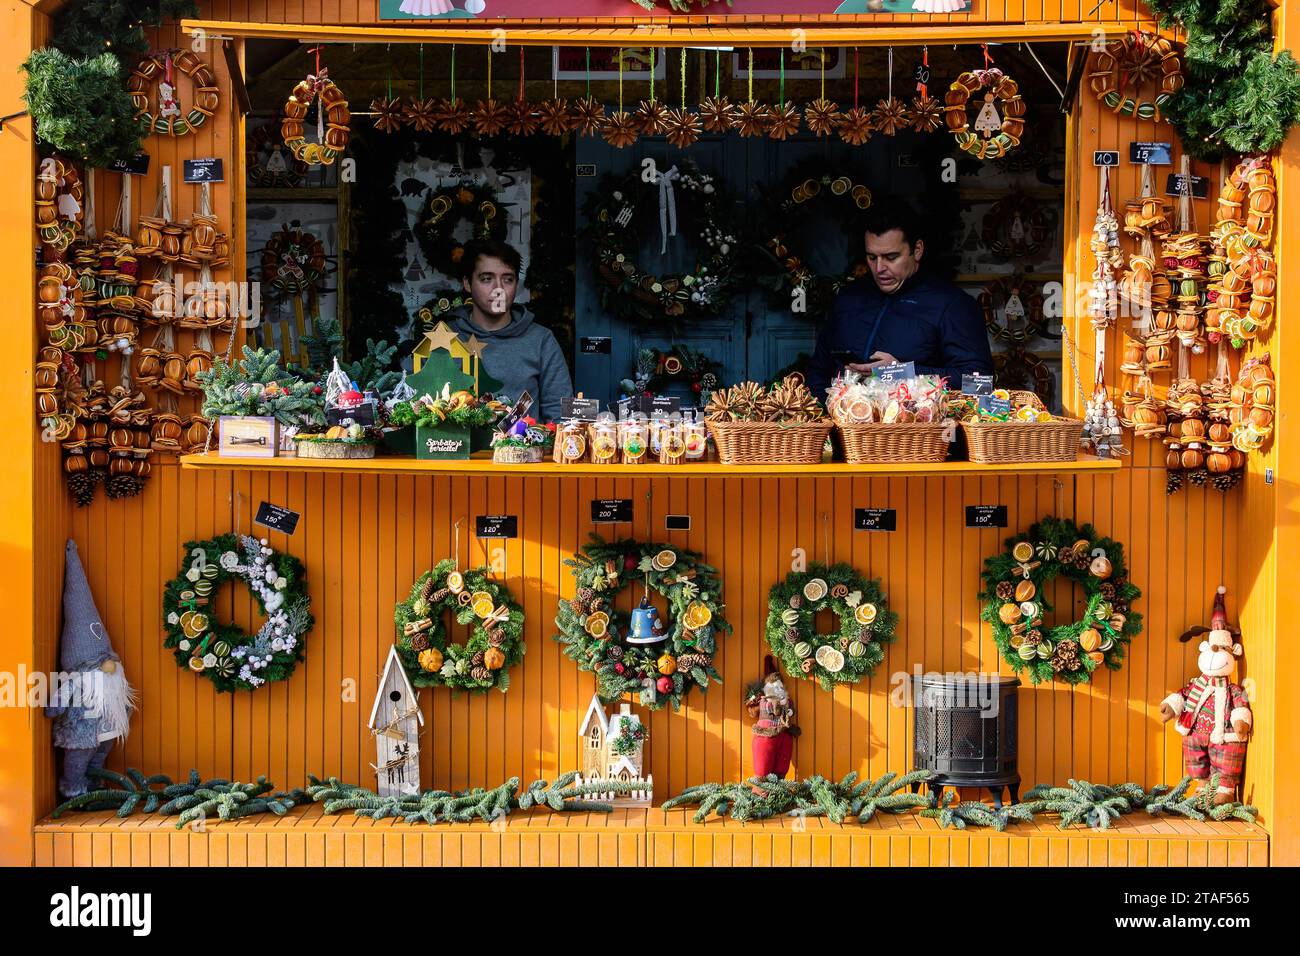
(523, 355)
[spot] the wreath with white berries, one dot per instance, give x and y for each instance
(865, 624)
(1014, 599)
(222, 652)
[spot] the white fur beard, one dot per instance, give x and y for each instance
(112, 697)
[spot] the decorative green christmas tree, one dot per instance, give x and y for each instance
(257, 385)
(444, 359)
(90, 27)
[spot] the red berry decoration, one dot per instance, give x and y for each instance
(619, 668)
(629, 562)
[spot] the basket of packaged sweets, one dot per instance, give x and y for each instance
(752, 425)
(524, 443)
(898, 420)
(1024, 433)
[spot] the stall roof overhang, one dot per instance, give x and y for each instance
(656, 34)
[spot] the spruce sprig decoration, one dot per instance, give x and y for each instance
(1199, 806)
(90, 27)
(1095, 805)
(124, 793)
(80, 107)
(958, 814)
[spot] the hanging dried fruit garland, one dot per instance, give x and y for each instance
(994, 136)
(854, 650)
(171, 119)
(1015, 584)
(444, 210)
(1118, 73)
(474, 598)
(332, 119)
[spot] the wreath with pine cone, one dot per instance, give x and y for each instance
(596, 635)
(447, 208)
(223, 653)
(1015, 604)
(496, 641)
(865, 624)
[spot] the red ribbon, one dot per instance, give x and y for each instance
(922, 88)
(988, 60)
(521, 74)
(167, 68)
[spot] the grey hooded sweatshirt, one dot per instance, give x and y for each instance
(523, 356)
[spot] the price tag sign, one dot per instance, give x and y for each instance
(677, 522)
(586, 169)
(875, 519)
(1105, 157)
(1175, 186)
(595, 345)
(994, 406)
(205, 170)
(1151, 154)
(895, 371)
(611, 510)
(496, 526)
(973, 383)
(363, 414)
(277, 518)
(137, 165)
(517, 411)
(585, 409)
(986, 516)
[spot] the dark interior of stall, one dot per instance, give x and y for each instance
(994, 227)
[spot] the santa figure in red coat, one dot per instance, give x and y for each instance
(1213, 713)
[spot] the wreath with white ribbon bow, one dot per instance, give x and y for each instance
(221, 652)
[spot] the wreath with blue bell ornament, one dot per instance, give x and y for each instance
(222, 652)
(1015, 604)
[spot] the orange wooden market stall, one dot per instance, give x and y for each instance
(370, 528)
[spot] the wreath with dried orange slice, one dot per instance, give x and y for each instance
(171, 119)
(999, 88)
(663, 666)
(474, 598)
(1015, 602)
(865, 622)
(223, 653)
(333, 122)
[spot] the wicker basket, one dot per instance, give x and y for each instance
(765, 443)
(1005, 443)
(908, 441)
(335, 449)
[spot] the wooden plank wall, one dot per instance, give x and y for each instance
(365, 538)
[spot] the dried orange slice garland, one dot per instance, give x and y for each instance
(865, 624)
(171, 118)
(332, 122)
(475, 599)
(223, 653)
(1015, 583)
(594, 632)
(1118, 73)
(984, 143)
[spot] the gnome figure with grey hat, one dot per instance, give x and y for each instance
(92, 702)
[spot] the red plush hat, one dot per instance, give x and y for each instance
(1219, 619)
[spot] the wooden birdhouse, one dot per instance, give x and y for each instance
(607, 758)
(395, 720)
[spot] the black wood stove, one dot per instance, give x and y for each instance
(965, 732)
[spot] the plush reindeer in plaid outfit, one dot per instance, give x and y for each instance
(1213, 714)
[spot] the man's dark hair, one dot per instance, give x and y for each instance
(891, 213)
(494, 248)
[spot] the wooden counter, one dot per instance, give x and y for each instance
(482, 464)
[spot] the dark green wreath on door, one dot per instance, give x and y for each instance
(448, 207)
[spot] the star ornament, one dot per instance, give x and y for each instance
(752, 118)
(453, 115)
(522, 118)
(620, 130)
(927, 114)
(554, 117)
(651, 118)
(890, 116)
(388, 114)
(855, 126)
(682, 128)
(490, 117)
(589, 116)
(421, 115)
(822, 117)
(717, 114)
(440, 337)
(784, 122)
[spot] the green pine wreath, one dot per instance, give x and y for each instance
(444, 210)
(593, 632)
(223, 653)
(496, 641)
(1014, 602)
(865, 624)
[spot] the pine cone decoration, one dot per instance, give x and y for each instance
(439, 595)
(1005, 590)
(855, 126)
(477, 659)
(685, 662)
(651, 118)
(1107, 591)
(583, 598)
(522, 118)
(554, 117)
(426, 589)
(614, 652)
(388, 114)
(792, 634)
(490, 117)
(480, 673)
(123, 486)
(822, 116)
(421, 115)
(588, 116)
(784, 122)
(1034, 638)
(717, 114)
(927, 114)
(453, 115)
(890, 116)
(682, 127)
(1066, 657)
(620, 130)
(81, 485)
(578, 607)
(1082, 560)
(419, 642)
(796, 601)
(752, 118)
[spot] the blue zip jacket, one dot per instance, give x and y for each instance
(928, 321)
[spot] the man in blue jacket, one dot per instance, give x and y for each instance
(902, 315)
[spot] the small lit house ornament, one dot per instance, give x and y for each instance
(605, 757)
(395, 720)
